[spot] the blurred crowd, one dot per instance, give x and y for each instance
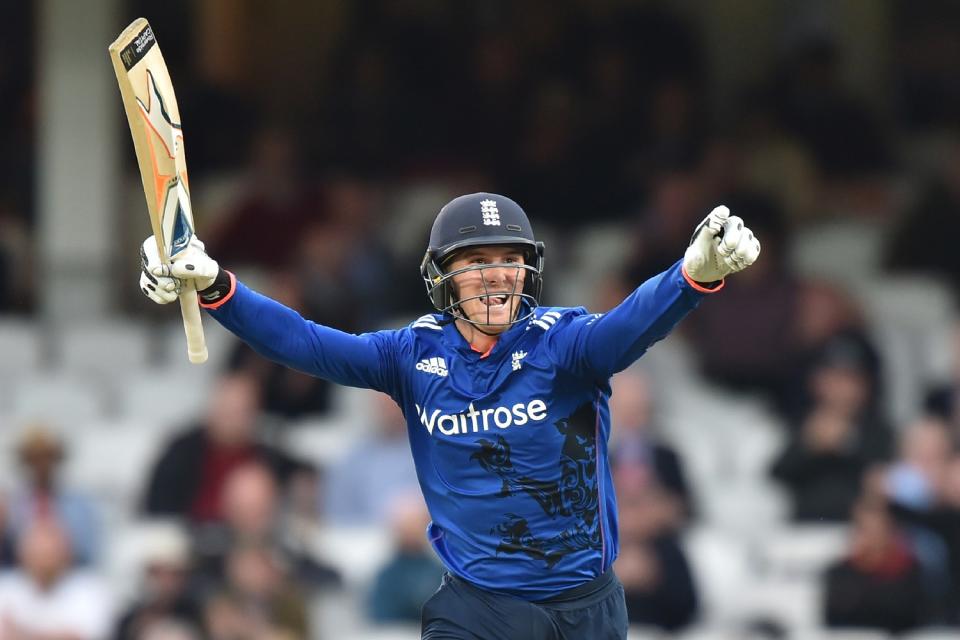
(599, 116)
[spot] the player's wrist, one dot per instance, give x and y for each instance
(219, 291)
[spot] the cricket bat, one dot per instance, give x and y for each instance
(154, 119)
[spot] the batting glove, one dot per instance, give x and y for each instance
(162, 282)
(720, 245)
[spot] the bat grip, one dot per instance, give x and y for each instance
(192, 324)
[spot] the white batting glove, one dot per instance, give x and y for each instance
(721, 245)
(162, 282)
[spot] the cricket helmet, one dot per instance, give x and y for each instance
(476, 220)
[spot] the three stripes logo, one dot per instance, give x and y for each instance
(426, 322)
(545, 321)
(490, 213)
(436, 366)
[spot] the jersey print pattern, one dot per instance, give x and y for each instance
(575, 495)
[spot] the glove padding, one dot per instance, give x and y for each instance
(162, 283)
(720, 245)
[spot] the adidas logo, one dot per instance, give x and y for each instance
(433, 365)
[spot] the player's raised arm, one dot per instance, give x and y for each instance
(270, 328)
(603, 345)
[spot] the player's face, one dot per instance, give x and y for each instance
(487, 293)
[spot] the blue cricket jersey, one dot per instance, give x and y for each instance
(510, 446)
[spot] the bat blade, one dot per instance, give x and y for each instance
(154, 118)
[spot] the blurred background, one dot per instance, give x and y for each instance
(786, 463)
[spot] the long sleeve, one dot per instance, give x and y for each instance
(283, 335)
(600, 345)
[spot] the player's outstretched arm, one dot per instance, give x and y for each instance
(603, 345)
(270, 328)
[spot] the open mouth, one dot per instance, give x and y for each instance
(494, 301)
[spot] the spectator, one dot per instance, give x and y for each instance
(189, 477)
(656, 576)
(7, 547)
(655, 504)
(286, 394)
(943, 400)
(747, 340)
(163, 599)
(46, 598)
(252, 516)
(257, 600)
(16, 270)
(354, 495)
(41, 495)
(637, 455)
(837, 439)
(917, 479)
(412, 574)
(909, 248)
(276, 194)
(923, 488)
(827, 315)
(878, 584)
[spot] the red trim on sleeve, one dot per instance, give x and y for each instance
(219, 303)
(697, 286)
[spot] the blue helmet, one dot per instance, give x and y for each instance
(480, 219)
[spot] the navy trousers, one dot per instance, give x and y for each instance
(461, 611)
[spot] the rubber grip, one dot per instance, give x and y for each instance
(192, 323)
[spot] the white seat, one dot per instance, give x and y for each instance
(795, 604)
(63, 399)
(128, 547)
(408, 632)
(321, 440)
(220, 344)
(805, 550)
(356, 552)
(721, 571)
(105, 349)
(746, 509)
(848, 634)
(112, 461)
(842, 250)
(20, 347)
(707, 633)
(164, 397)
(930, 634)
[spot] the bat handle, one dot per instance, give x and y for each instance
(192, 324)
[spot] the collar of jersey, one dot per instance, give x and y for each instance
(453, 338)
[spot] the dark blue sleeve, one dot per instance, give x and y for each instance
(283, 335)
(599, 345)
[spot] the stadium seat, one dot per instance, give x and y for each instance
(320, 440)
(106, 349)
(802, 551)
(847, 634)
(184, 393)
(721, 570)
(61, 398)
(112, 460)
(21, 351)
(356, 552)
(842, 250)
(793, 603)
(912, 321)
(929, 634)
(173, 345)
